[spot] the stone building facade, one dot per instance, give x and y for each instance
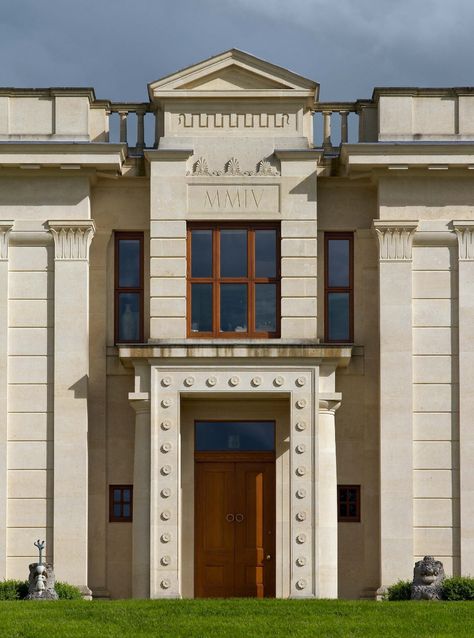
(233, 360)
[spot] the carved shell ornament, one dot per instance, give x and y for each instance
(232, 169)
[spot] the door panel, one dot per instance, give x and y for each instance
(214, 532)
(235, 529)
(254, 534)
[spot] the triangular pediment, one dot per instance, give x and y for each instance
(233, 74)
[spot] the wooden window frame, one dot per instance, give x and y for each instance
(112, 502)
(119, 236)
(251, 280)
(348, 519)
(329, 289)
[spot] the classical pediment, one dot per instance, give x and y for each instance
(233, 74)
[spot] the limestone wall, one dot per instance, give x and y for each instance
(436, 404)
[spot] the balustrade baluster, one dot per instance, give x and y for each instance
(327, 129)
(123, 125)
(344, 131)
(140, 129)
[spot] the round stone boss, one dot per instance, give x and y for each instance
(301, 493)
(300, 426)
(301, 381)
(166, 515)
(166, 403)
(300, 470)
(211, 381)
(189, 381)
(166, 381)
(166, 447)
(233, 381)
(256, 381)
(301, 516)
(301, 561)
(165, 492)
(166, 424)
(165, 537)
(301, 583)
(166, 469)
(300, 448)
(301, 403)
(301, 538)
(279, 381)
(165, 560)
(166, 583)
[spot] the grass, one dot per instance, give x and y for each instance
(235, 618)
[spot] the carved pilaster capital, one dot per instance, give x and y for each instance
(72, 238)
(465, 233)
(5, 228)
(395, 239)
(329, 402)
(140, 402)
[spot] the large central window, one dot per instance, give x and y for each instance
(233, 280)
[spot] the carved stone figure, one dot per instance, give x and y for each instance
(41, 582)
(428, 576)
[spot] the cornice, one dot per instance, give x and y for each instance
(73, 155)
(299, 154)
(168, 155)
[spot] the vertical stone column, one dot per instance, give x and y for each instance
(303, 521)
(165, 527)
(71, 369)
(140, 401)
(5, 228)
(465, 233)
(396, 399)
(326, 498)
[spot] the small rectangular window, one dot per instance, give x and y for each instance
(120, 503)
(128, 287)
(338, 287)
(348, 503)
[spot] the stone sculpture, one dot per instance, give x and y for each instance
(41, 580)
(428, 576)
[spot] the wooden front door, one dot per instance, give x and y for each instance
(235, 526)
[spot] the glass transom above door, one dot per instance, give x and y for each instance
(235, 436)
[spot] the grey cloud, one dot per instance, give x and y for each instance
(349, 46)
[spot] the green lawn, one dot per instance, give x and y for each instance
(235, 618)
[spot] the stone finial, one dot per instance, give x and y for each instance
(41, 582)
(428, 576)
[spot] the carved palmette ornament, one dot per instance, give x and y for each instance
(232, 169)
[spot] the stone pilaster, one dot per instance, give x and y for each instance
(71, 369)
(396, 399)
(465, 233)
(141, 496)
(5, 228)
(326, 499)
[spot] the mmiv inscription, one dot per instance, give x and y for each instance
(227, 198)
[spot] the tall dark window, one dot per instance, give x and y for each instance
(233, 280)
(338, 285)
(348, 505)
(128, 287)
(120, 503)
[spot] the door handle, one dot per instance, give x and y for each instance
(268, 557)
(239, 518)
(229, 518)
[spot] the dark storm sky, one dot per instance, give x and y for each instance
(349, 46)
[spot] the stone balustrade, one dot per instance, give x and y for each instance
(328, 110)
(123, 110)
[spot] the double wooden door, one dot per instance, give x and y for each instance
(235, 526)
